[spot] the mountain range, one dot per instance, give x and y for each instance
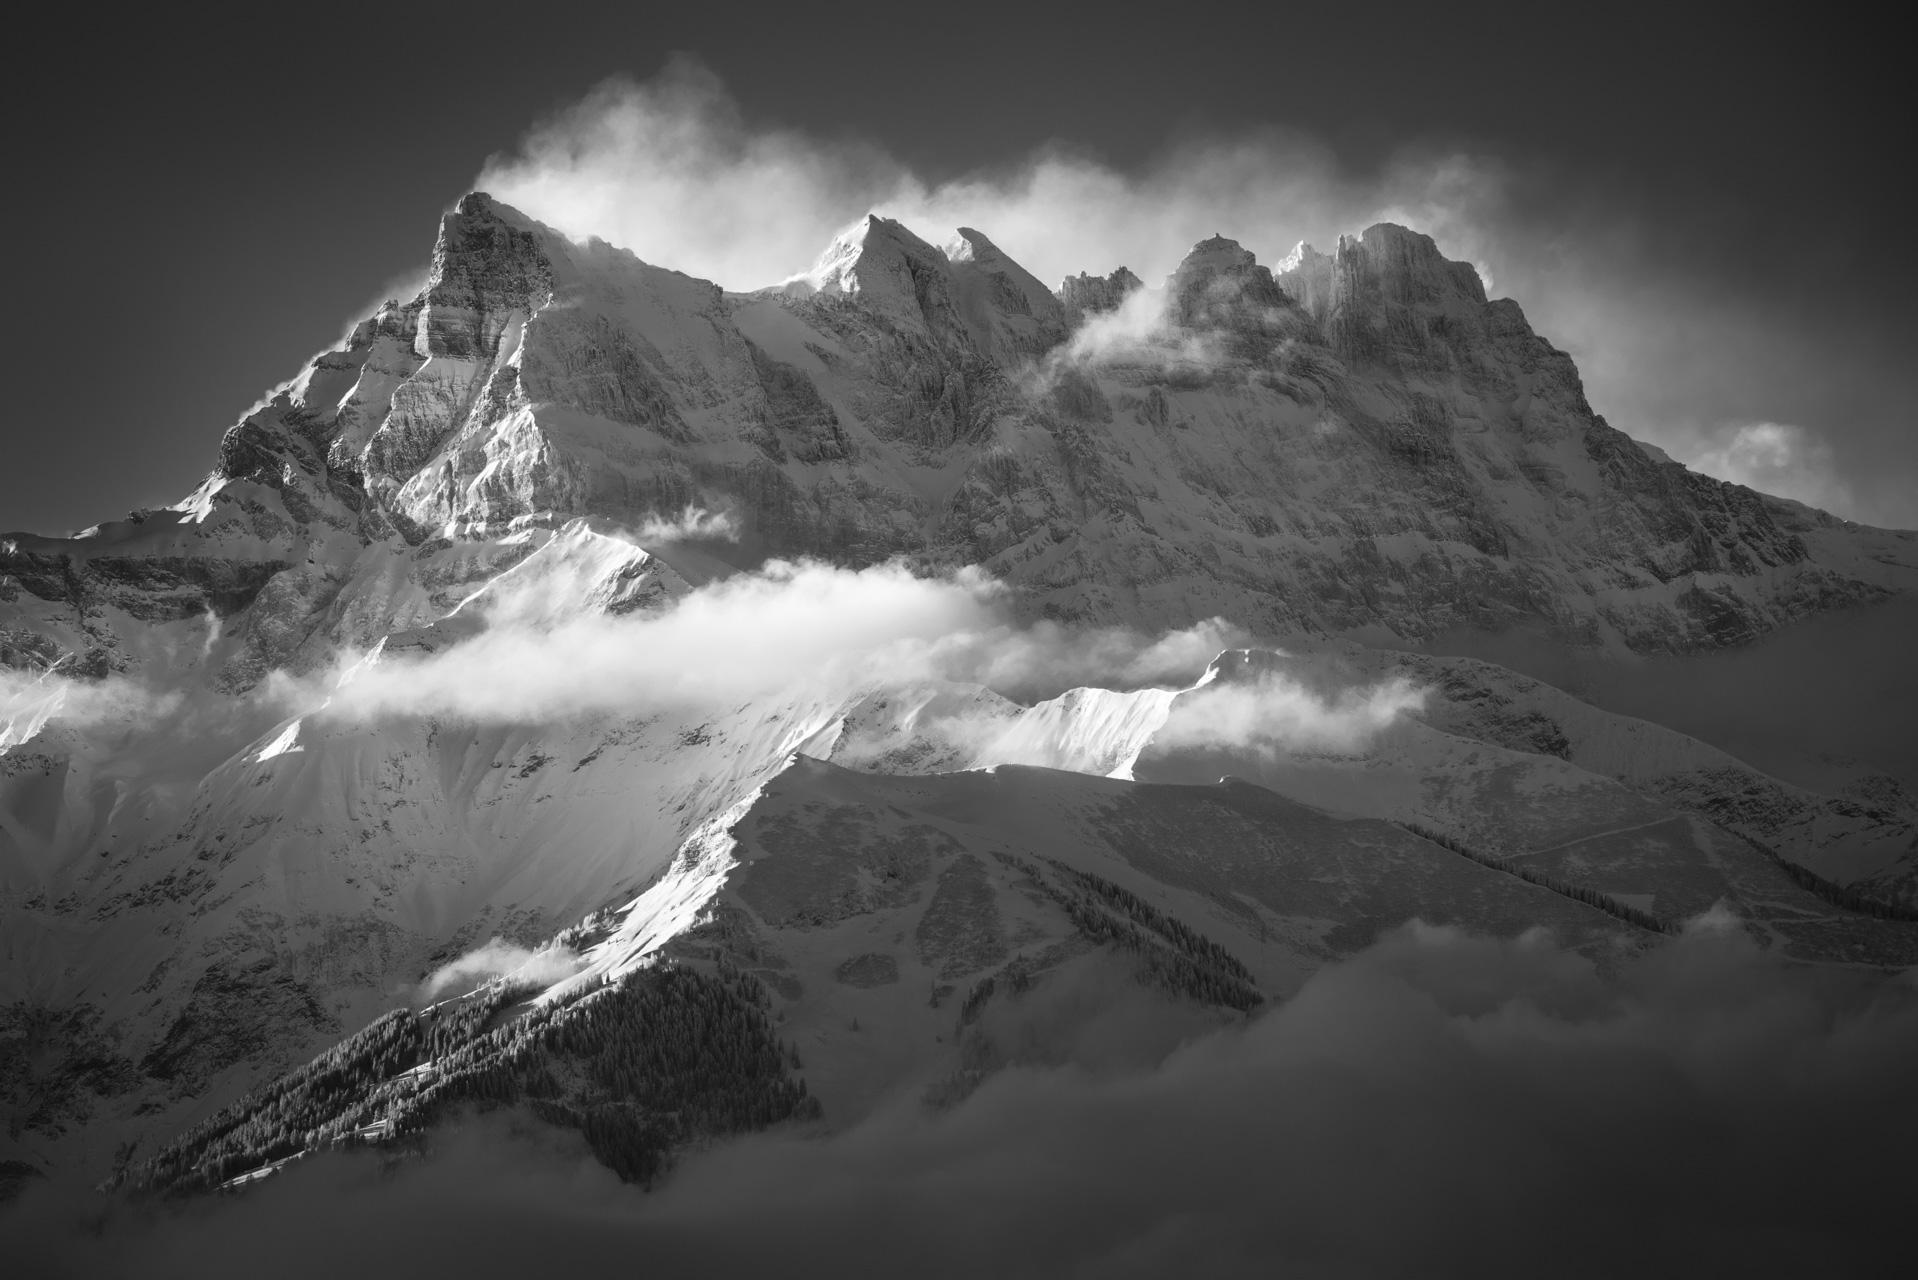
(325, 810)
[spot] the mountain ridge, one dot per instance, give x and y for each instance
(534, 380)
(1356, 448)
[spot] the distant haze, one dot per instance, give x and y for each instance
(1812, 704)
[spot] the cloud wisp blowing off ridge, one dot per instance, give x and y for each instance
(672, 169)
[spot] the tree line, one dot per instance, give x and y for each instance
(1175, 956)
(640, 1066)
(1531, 875)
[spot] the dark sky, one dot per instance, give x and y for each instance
(197, 208)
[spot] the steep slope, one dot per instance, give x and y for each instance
(1864, 836)
(1524, 808)
(203, 890)
(912, 935)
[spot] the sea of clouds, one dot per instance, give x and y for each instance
(1441, 1104)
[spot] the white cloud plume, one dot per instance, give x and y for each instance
(1776, 458)
(691, 525)
(29, 700)
(497, 958)
(176, 718)
(522, 653)
(787, 628)
(672, 170)
(1135, 332)
(1276, 712)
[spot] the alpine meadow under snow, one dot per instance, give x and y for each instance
(912, 745)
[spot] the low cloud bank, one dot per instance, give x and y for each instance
(179, 721)
(1440, 1105)
(524, 654)
(1276, 712)
(788, 628)
(30, 699)
(498, 958)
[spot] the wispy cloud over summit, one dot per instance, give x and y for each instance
(673, 169)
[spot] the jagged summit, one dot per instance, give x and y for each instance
(878, 261)
(1370, 279)
(1008, 313)
(1408, 266)
(1084, 295)
(1220, 285)
(1359, 440)
(969, 245)
(1306, 275)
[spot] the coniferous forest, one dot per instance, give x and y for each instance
(640, 1067)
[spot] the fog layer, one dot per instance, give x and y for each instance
(1440, 1105)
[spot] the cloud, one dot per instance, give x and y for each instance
(1776, 458)
(785, 629)
(719, 199)
(498, 958)
(1442, 1104)
(30, 699)
(670, 169)
(1049, 657)
(692, 524)
(163, 716)
(1135, 332)
(1276, 712)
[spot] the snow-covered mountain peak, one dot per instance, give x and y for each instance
(881, 263)
(489, 261)
(1306, 275)
(581, 569)
(1300, 255)
(1009, 314)
(968, 245)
